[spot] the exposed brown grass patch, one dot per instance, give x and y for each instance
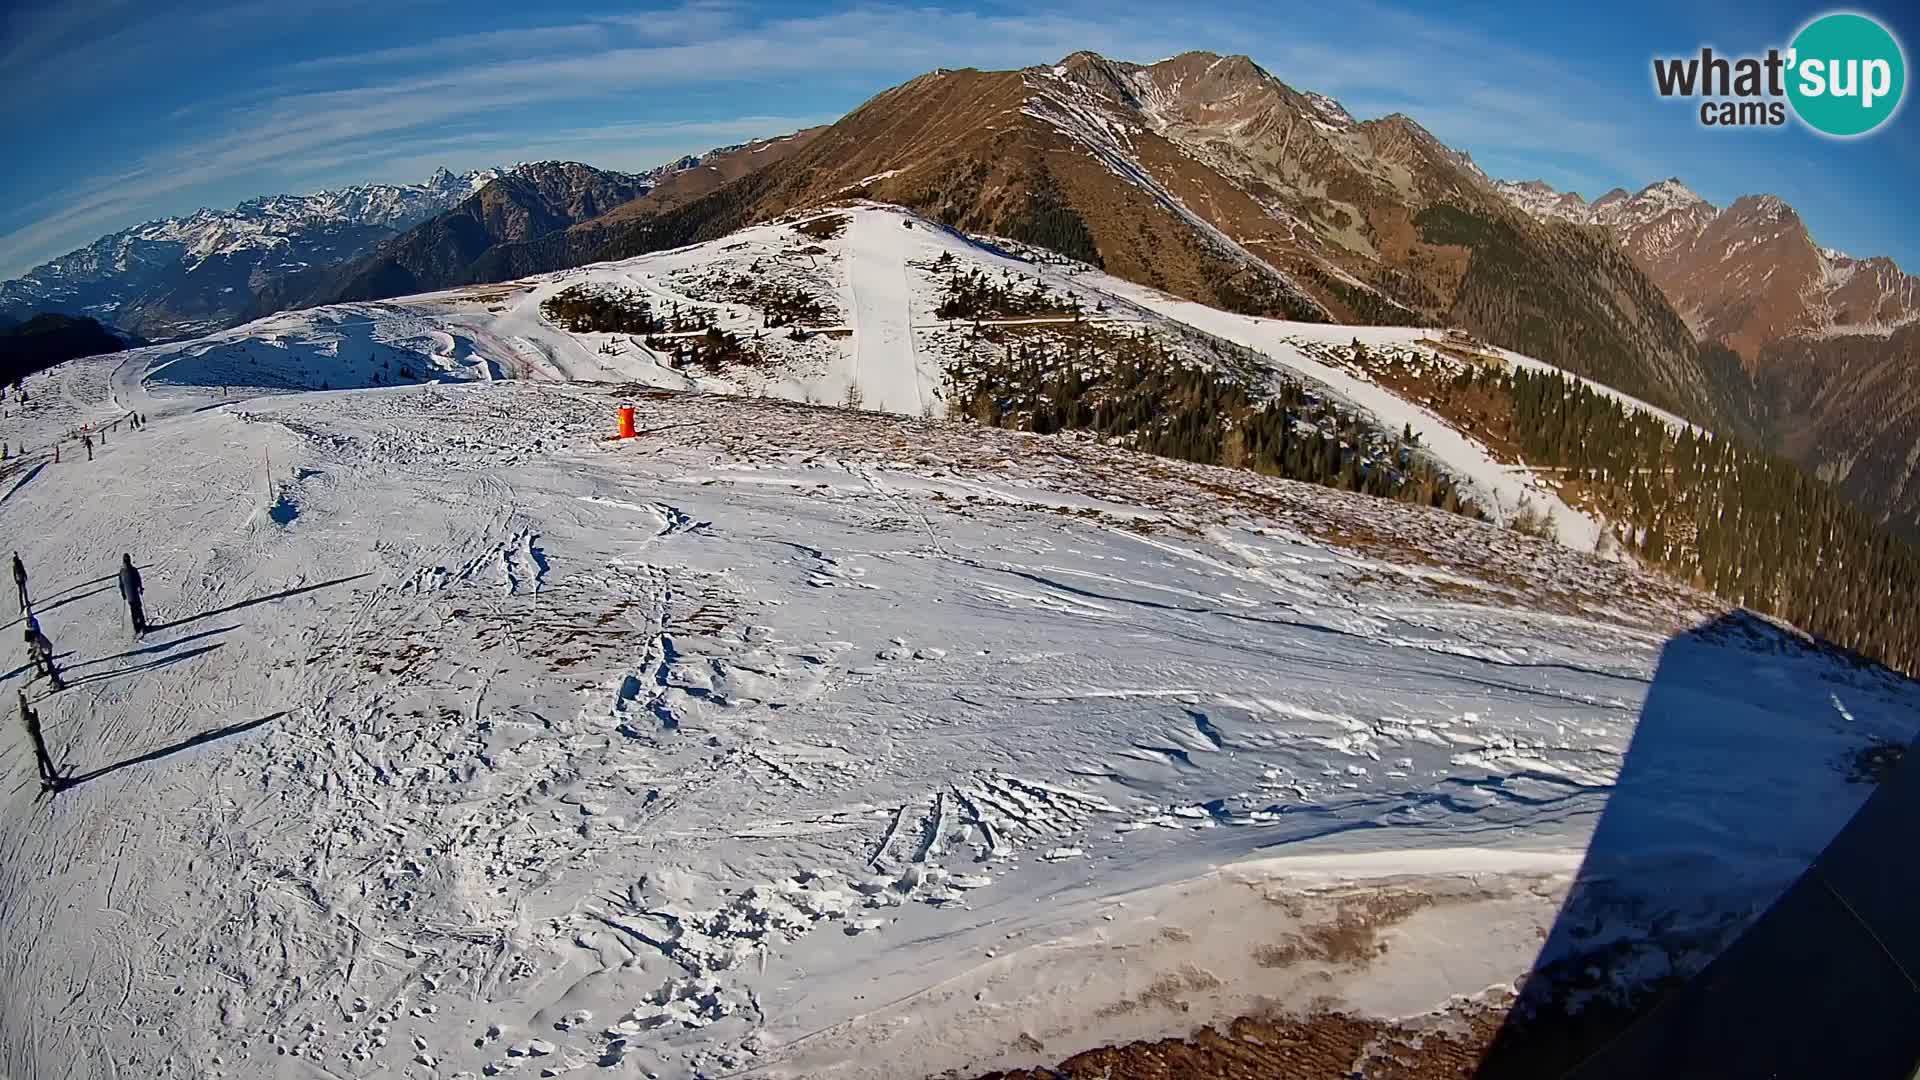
(825, 227)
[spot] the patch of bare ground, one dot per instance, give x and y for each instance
(494, 295)
(1472, 1039)
(825, 227)
(1165, 993)
(1318, 1046)
(1351, 938)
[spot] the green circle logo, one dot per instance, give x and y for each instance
(1847, 74)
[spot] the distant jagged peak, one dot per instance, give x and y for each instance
(1096, 73)
(1763, 207)
(1195, 88)
(1665, 200)
(1611, 198)
(1672, 194)
(1082, 58)
(1618, 209)
(1542, 200)
(551, 166)
(1230, 67)
(1402, 123)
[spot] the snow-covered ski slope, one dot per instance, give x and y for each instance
(879, 340)
(795, 741)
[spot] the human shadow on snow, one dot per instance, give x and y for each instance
(151, 665)
(201, 739)
(149, 650)
(42, 608)
(1725, 808)
(268, 598)
(68, 668)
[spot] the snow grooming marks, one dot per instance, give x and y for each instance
(887, 369)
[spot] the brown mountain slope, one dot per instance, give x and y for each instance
(1847, 407)
(697, 176)
(962, 146)
(1207, 177)
(1747, 278)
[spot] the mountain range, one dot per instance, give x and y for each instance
(1820, 346)
(180, 276)
(1745, 275)
(185, 276)
(1209, 178)
(1201, 175)
(527, 203)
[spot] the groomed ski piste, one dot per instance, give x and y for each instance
(790, 740)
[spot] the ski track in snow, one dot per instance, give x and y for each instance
(685, 755)
(886, 365)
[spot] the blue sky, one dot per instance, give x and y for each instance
(126, 110)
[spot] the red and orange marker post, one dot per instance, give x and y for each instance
(626, 423)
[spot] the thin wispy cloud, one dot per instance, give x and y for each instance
(631, 147)
(387, 120)
(588, 35)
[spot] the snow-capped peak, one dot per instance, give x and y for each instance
(1540, 200)
(1330, 110)
(1654, 203)
(265, 234)
(1671, 194)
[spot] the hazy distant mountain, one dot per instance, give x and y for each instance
(187, 275)
(530, 203)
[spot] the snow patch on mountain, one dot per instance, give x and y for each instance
(1330, 110)
(1539, 199)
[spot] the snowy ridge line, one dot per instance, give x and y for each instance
(877, 342)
